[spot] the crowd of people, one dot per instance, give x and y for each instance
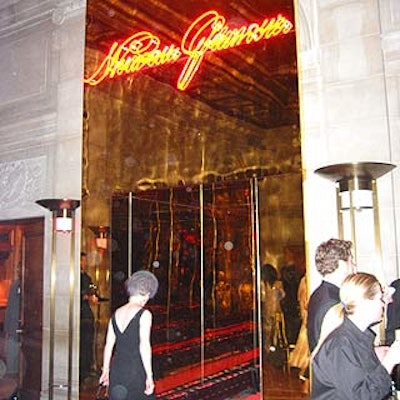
(335, 345)
(345, 362)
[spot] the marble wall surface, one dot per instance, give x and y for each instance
(41, 48)
(349, 60)
(349, 57)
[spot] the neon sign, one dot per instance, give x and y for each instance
(208, 33)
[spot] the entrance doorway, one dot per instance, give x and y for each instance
(200, 241)
(21, 303)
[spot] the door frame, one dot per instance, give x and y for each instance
(26, 239)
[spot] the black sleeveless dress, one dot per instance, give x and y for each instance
(127, 374)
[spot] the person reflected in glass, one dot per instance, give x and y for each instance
(299, 357)
(345, 363)
(11, 327)
(291, 272)
(127, 359)
(88, 299)
(272, 293)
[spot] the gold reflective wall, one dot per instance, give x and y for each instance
(178, 176)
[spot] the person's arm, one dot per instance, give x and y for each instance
(145, 350)
(279, 290)
(88, 290)
(108, 349)
(263, 292)
(392, 356)
(381, 351)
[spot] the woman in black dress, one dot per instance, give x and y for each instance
(128, 372)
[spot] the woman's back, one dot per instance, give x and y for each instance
(127, 371)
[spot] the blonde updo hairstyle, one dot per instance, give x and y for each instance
(358, 287)
(355, 288)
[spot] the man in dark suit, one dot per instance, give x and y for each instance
(334, 261)
(88, 298)
(393, 325)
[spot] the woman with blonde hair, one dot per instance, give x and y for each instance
(345, 364)
(272, 293)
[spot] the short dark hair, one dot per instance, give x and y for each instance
(142, 282)
(329, 253)
(269, 274)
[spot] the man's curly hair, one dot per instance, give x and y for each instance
(329, 253)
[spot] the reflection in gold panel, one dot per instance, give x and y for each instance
(163, 166)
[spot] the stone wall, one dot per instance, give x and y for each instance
(349, 57)
(41, 59)
(349, 74)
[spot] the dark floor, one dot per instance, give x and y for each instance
(278, 385)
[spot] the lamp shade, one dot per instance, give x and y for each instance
(62, 210)
(365, 172)
(59, 204)
(102, 233)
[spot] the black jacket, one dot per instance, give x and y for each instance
(86, 283)
(322, 299)
(347, 368)
(393, 313)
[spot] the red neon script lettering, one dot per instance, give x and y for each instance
(208, 33)
(135, 53)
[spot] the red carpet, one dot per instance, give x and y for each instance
(256, 396)
(195, 372)
(209, 334)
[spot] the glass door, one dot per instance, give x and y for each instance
(200, 242)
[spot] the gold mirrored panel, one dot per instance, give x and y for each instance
(192, 170)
